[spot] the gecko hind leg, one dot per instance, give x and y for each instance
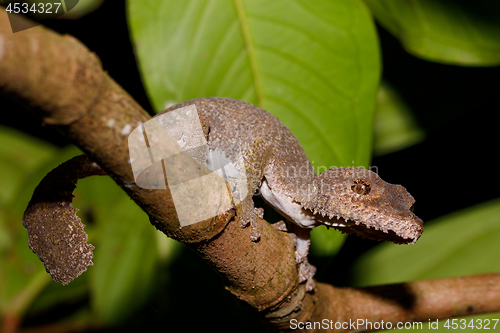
(306, 270)
(249, 217)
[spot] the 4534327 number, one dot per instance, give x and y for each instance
(485, 324)
(35, 8)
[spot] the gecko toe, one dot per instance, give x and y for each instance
(310, 285)
(259, 212)
(255, 234)
(280, 225)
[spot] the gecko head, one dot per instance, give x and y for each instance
(358, 201)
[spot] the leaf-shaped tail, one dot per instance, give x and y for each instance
(55, 232)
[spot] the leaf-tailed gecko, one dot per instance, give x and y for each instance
(353, 200)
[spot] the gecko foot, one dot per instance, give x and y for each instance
(249, 217)
(280, 225)
(310, 285)
(306, 270)
(255, 232)
(306, 274)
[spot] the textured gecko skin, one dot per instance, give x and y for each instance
(353, 200)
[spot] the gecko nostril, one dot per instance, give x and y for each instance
(360, 187)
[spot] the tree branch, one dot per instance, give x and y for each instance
(63, 82)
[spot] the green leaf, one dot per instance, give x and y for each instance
(56, 294)
(19, 154)
(394, 126)
(454, 245)
(22, 274)
(125, 259)
(30, 181)
(314, 64)
(456, 32)
(325, 243)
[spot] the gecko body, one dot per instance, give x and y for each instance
(353, 200)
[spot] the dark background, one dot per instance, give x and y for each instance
(453, 168)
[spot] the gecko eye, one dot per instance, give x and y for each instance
(360, 187)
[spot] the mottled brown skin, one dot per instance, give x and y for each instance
(353, 200)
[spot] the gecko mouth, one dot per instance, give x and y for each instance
(379, 235)
(392, 231)
(404, 228)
